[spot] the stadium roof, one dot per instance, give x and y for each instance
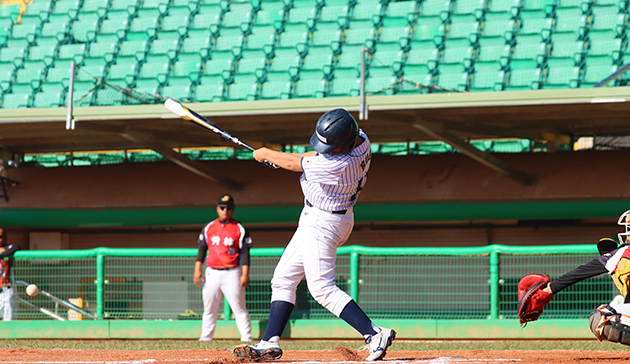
(548, 115)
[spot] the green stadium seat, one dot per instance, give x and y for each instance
(228, 38)
(596, 69)
(124, 66)
(387, 54)
(524, 75)
(497, 6)
(607, 17)
(176, 17)
(435, 8)
(85, 24)
(380, 81)
(469, 7)
(37, 7)
(277, 85)
(350, 56)
(325, 33)
(603, 42)
(16, 100)
(150, 86)
(14, 48)
(92, 5)
(529, 46)
(154, 4)
(210, 88)
(83, 89)
(187, 64)
(65, 6)
(452, 76)
(103, 44)
(422, 52)
(457, 50)
(90, 68)
(154, 65)
(359, 31)
(293, 34)
(534, 21)
(366, 9)
(311, 84)
(115, 21)
(244, 86)
(71, 51)
(415, 75)
(571, 3)
(546, 5)
(404, 9)
(331, 13)
(463, 26)
(50, 95)
(178, 88)
(252, 60)
(238, 13)
(197, 39)
(561, 73)
(30, 71)
(271, 12)
(261, 36)
(219, 62)
(318, 57)
(488, 76)
(5, 28)
(207, 16)
(123, 4)
(287, 58)
(59, 71)
(45, 47)
(302, 11)
(28, 25)
(429, 28)
(498, 24)
(619, 3)
(394, 29)
(56, 23)
(345, 82)
(145, 19)
(569, 20)
(134, 43)
(167, 41)
(6, 71)
(492, 49)
(566, 44)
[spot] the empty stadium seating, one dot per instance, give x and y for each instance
(278, 49)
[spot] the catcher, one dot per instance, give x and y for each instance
(609, 321)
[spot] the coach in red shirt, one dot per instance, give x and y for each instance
(226, 243)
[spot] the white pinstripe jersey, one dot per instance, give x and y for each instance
(333, 181)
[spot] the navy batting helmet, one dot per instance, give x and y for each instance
(336, 128)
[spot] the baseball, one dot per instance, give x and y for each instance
(32, 290)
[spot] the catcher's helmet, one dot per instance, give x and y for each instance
(336, 128)
(624, 220)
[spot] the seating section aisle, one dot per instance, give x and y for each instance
(224, 50)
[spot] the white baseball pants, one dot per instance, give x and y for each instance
(7, 303)
(312, 252)
(227, 282)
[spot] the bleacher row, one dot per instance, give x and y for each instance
(209, 50)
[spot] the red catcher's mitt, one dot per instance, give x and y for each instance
(531, 297)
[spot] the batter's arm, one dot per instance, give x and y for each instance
(288, 161)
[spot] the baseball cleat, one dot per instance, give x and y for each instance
(377, 344)
(264, 350)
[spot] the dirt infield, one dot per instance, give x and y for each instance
(339, 354)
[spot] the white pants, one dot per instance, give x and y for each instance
(227, 282)
(312, 252)
(7, 303)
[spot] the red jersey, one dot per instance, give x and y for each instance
(224, 242)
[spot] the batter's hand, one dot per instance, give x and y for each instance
(198, 278)
(259, 154)
(244, 281)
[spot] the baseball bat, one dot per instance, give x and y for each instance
(188, 114)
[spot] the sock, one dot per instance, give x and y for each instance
(355, 317)
(278, 317)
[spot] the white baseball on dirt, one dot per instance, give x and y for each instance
(32, 290)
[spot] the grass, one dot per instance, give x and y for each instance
(401, 345)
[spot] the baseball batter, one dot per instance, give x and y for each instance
(332, 178)
(7, 299)
(226, 244)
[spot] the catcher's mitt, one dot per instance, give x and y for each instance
(531, 297)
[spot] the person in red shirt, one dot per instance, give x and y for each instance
(7, 299)
(225, 243)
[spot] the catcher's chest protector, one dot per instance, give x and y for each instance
(622, 275)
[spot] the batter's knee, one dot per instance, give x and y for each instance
(608, 324)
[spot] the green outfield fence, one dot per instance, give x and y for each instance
(389, 283)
